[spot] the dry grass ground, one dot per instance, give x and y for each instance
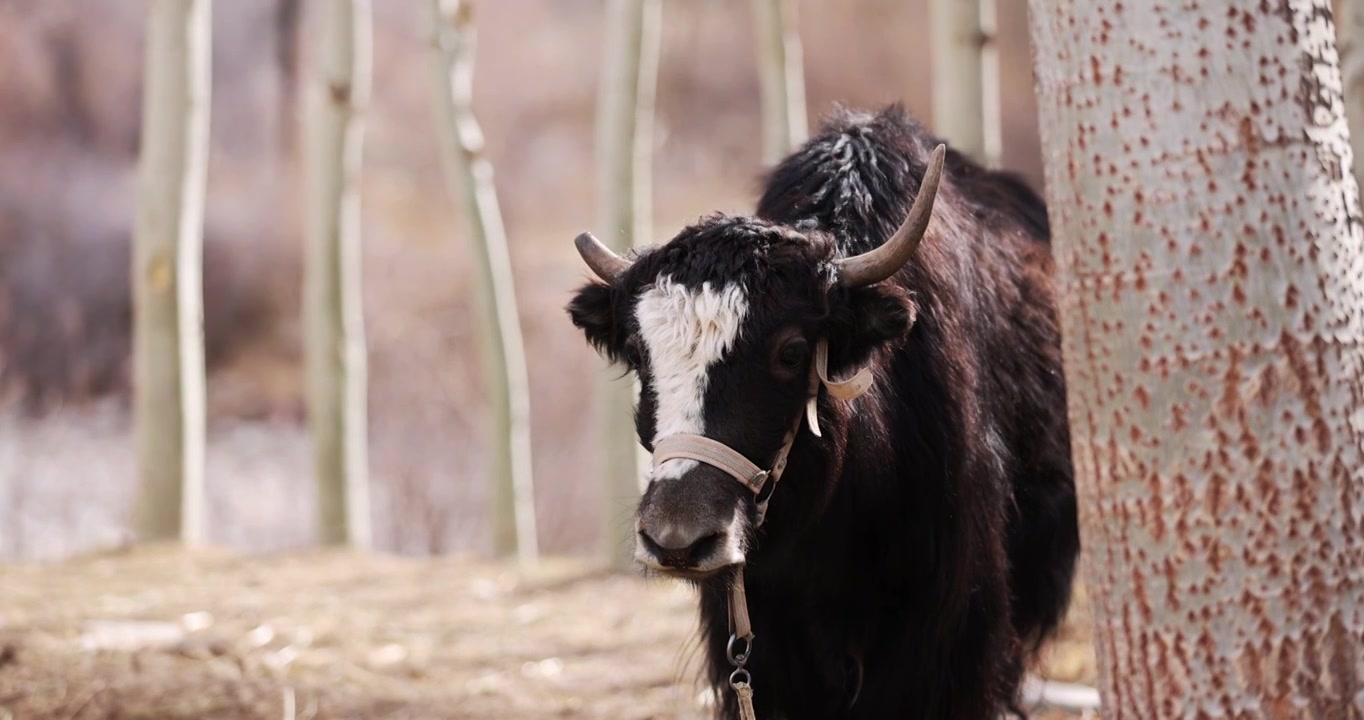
(164, 634)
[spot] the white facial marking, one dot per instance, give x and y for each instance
(685, 332)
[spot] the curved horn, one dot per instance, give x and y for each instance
(880, 263)
(603, 261)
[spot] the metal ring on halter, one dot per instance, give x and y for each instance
(738, 658)
(740, 675)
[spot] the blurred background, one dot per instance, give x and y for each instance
(70, 105)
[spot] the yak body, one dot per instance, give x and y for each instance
(915, 555)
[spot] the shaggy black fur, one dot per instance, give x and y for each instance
(930, 536)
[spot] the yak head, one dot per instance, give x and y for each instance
(719, 325)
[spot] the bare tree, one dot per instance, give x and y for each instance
(168, 336)
(966, 103)
(1211, 267)
(781, 74)
(625, 109)
(453, 41)
(288, 19)
(333, 297)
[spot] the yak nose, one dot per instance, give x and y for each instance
(681, 545)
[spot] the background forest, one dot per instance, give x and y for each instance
(69, 133)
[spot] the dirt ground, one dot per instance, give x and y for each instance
(160, 633)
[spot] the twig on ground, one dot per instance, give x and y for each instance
(1059, 695)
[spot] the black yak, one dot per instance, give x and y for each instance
(921, 547)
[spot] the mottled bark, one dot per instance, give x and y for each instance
(625, 110)
(966, 101)
(168, 316)
(333, 295)
(504, 361)
(781, 75)
(1211, 271)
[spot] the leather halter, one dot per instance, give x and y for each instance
(712, 452)
(763, 484)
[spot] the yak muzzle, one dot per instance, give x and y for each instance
(690, 526)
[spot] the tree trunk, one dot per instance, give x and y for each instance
(453, 42)
(966, 102)
(1211, 280)
(287, 23)
(333, 299)
(625, 111)
(781, 74)
(168, 336)
(1350, 30)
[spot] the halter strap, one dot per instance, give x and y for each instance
(713, 453)
(853, 387)
(849, 389)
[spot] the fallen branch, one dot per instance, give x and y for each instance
(1040, 692)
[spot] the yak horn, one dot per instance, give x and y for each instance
(603, 261)
(880, 263)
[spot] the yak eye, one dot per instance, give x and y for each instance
(793, 354)
(631, 353)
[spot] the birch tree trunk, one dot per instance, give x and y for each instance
(781, 75)
(453, 42)
(168, 334)
(288, 19)
(1350, 29)
(333, 297)
(966, 100)
(625, 110)
(1211, 275)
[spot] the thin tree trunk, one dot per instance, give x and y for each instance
(168, 337)
(287, 23)
(966, 104)
(1211, 276)
(333, 297)
(781, 74)
(469, 172)
(625, 112)
(1350, 30)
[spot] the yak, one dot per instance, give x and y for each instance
(922, 543)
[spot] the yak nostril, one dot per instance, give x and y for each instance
(680, 549)
(704, 547)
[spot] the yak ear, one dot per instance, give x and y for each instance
(868, 319)
(593, 310)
